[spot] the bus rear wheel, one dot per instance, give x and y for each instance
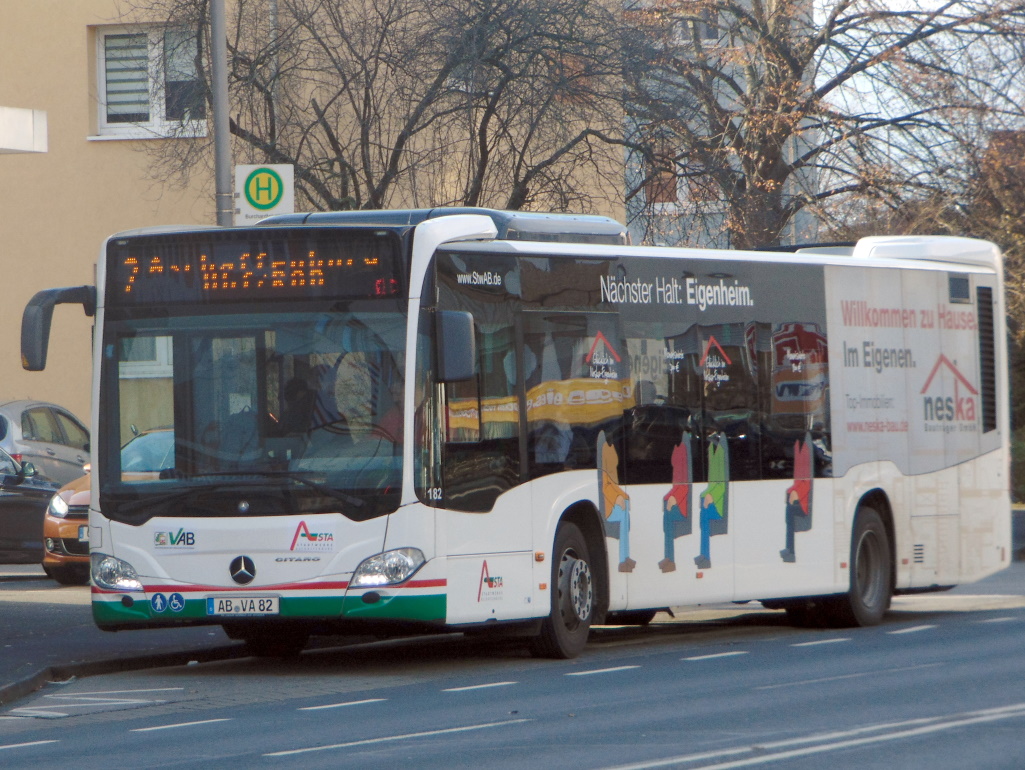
(871, 583)
(564, 632)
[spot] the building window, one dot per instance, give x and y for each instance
(661, 184)
(149, 83)
(145, 357)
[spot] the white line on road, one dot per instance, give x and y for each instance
(600, 671)
(717, 655)
(340, 705)
(837, 740)
(478, 686)
(802, 682)
(822, 641)
(116, 692)
(406, 737)
(911, 630)
(1004, 619)
(24, 745)
(179, 724)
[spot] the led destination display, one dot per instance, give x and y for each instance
(248, 265)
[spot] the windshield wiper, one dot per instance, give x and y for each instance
(296, 476)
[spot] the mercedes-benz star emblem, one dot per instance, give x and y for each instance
(242, 570)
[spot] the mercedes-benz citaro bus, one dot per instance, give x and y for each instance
(464, 419)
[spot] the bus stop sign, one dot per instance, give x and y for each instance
(261, 191)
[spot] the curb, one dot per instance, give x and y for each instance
(12, 692)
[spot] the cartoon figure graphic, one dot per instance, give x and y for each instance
(798, 503)
(676, 519)
(614, 502)
(714, 498)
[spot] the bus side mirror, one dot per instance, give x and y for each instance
(457, 345)
(38, 314)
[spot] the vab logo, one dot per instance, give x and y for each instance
(304, 540)
(489, 588)
(948, 409)
(179, 539)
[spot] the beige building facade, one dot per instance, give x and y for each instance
(94, 179)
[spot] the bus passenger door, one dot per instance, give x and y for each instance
(574, 382)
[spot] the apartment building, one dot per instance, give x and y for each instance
(107, 102)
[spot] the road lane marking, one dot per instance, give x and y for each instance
(802, 682)
(405, 737)
(341, 705)
(600, 671)
(911, 630)
(717, 655)
(24, 745)
(1005, 619)
(70, 701)
(116, 692)
(478, 686)
(822, 641)
(179, 724)
(834, 741)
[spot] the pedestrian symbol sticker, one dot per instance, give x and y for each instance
(158, 602)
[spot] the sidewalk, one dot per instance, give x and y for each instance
(48, 634)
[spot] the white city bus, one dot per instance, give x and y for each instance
(478, 420)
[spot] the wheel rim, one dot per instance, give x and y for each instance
(576, 592)
(869, 572)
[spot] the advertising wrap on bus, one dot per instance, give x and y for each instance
(398, 422)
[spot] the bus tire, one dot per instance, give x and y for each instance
(871, 570)
(564, 632)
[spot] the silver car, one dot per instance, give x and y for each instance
(46, 435)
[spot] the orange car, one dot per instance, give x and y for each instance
(66, 523)
(66, 534)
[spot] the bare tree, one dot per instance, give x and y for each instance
(765, 111)
(398, 102)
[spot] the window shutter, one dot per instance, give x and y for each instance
(126, 59)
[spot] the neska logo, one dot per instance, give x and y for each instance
(959, 407)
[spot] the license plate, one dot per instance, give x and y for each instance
(83, 533)
(242, 605)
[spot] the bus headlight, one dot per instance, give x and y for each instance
(58, 507)
(114, 574)
(388, 568)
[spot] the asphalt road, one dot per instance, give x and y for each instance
(940, 684)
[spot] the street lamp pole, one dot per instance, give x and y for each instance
(222, 135)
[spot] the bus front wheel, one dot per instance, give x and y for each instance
(564, 632)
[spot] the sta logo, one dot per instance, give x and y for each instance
(304, 540)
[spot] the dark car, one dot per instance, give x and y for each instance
(24, 496)
(46, 435)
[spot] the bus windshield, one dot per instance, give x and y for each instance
(292, 409)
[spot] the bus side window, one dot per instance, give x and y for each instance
(481, 455)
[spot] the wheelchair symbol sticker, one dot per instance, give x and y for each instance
(176, 602)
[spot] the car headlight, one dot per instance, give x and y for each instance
(58, 507)
(388, 568)
(114, 574)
